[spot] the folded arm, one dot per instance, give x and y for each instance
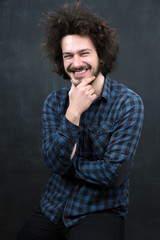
(60, 138)
(115, 166)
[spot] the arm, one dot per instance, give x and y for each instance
(59, 136)
(80, 98)
(112, 170)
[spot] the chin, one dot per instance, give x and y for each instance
(76, 82)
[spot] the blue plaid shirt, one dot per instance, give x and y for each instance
(97, 178)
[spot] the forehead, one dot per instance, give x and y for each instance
(74, 43)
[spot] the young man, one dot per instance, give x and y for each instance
(90, 133)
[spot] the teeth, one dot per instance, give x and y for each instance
(80, 72)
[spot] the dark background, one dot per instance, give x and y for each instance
(25, 81)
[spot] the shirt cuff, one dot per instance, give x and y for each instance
(69, 130)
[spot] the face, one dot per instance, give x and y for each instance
(80, 58)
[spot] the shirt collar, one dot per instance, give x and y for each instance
(106, 89)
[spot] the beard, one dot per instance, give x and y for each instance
(84, 67)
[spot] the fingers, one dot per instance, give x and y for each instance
(84, 85)
(91, 91)
(88, 87)
(94, 96)
(87, 81)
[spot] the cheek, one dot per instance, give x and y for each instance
(94, 61)
(66, 64)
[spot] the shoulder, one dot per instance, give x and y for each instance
(56, 97)
(125, 102)
(124, 95)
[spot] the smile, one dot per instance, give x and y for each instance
(80, 72)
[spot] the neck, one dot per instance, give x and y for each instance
(98, 84)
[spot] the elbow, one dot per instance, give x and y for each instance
(116, 182)
(120, 176)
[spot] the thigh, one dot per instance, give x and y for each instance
(39, 227)
(100, 226)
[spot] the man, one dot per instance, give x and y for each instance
(90, 133)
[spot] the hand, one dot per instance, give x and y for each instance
(82, 95)
(80, 99)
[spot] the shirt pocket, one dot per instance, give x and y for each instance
(99, 136)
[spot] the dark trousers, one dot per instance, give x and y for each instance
(99, 226)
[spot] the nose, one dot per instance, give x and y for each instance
(77, 62)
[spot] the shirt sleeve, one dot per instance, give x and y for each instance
(59, 136)
(113, 169)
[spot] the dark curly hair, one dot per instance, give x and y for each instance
(75, 19)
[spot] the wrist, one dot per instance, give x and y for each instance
(73, 116)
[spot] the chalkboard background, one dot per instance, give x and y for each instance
(25, 81)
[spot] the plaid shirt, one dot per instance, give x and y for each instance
(97, 178)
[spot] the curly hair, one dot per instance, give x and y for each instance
(75, 19)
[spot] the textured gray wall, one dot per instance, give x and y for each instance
(26, 79)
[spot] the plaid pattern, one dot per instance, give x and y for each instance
(97, 178)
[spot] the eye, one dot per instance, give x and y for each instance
(85, 53)
(67, 56)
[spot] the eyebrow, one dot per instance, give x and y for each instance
(80, 51)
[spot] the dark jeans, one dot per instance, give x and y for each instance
(99, 226)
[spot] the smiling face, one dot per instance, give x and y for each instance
(80, 58)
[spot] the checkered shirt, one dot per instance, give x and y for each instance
(97, 178)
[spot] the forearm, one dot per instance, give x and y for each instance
(58, 145)
(102, 171)
(73, 117)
